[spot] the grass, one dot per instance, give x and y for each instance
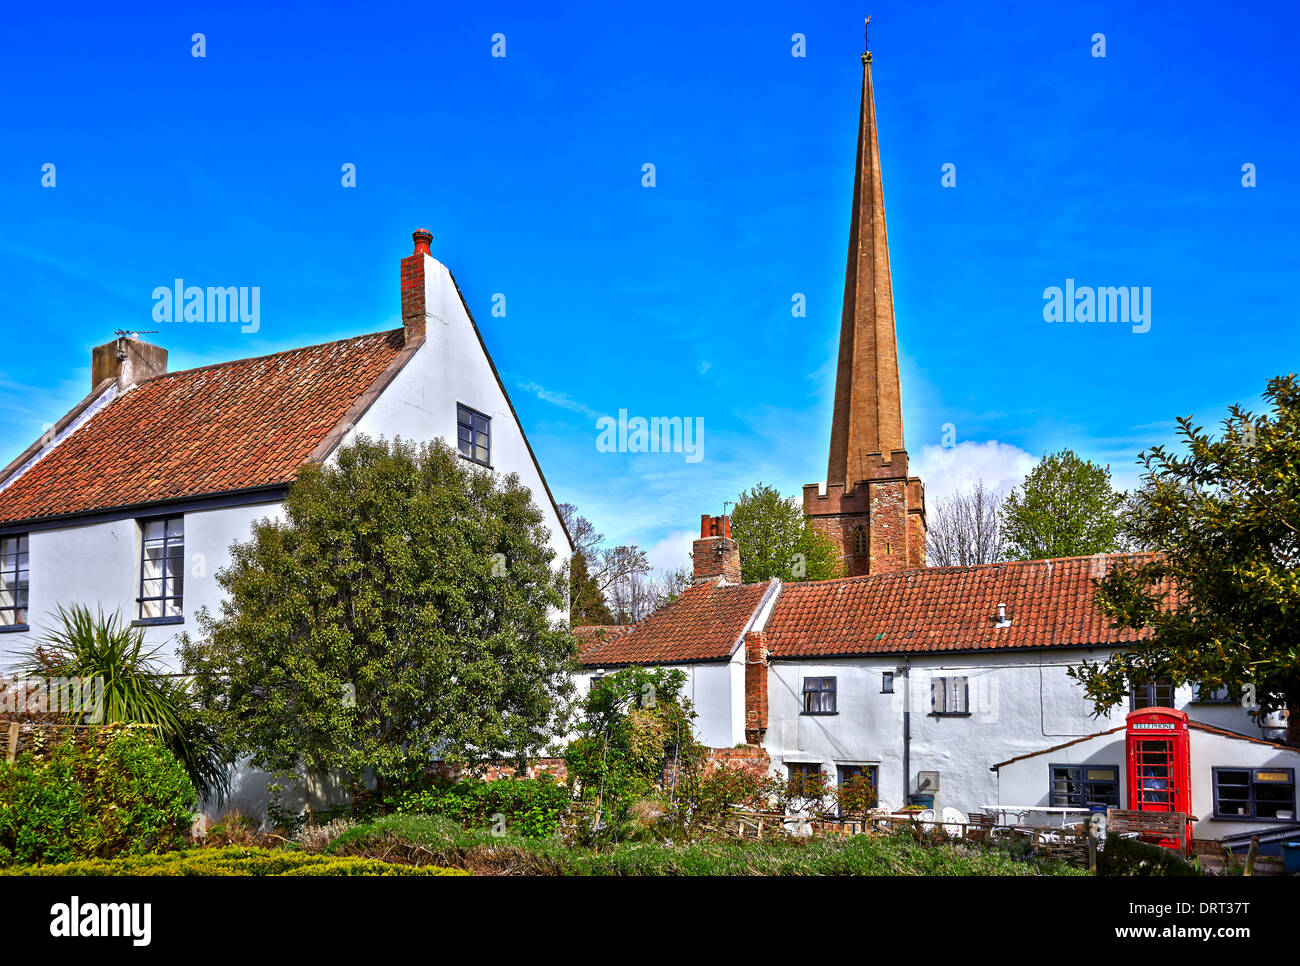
(425, 839)
(229, 861)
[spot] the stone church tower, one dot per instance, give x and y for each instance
(869, 506)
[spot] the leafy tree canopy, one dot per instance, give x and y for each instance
(633, 724)
(1225, 517)
(777, 540)
(586, 603)
(1066, 507)
(400, 612)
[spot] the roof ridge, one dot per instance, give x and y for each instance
(960, 568)
(268, 355)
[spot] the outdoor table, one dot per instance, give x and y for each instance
(1021, 811)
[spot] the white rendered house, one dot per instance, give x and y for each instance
(937, 683)
(132, 501)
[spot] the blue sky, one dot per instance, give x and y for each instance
(676, 299)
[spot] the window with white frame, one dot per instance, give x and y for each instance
(14, 580)
(950, 695)
(162, 568)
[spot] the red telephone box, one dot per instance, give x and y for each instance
(1159, 763)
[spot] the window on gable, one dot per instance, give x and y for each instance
(949, 695)
(1083, 786)
(1153, 694)
(14, 581)
(1254, 793)
(162, 568)
(474, 435)
(819, 696)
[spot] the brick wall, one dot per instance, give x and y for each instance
(715, 554)
(554, 767)
(887, 504)
(413, 287)
(755, 687)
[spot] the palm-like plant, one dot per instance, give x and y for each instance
(134, 689)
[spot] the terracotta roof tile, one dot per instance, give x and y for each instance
(593, 635)
(702, 624)
(231, 426)
(1048, 603)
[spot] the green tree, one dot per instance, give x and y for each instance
(632, 725)
(400, 612)
(586, 603)
(777, 540)
(1066, 507)
(1222, 596)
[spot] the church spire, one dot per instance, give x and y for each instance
(870, 506)
(867, 426)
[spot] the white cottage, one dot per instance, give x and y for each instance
(131, 502)
(929, 681)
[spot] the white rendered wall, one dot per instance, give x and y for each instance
(98, 565)
(710, 689)
(450, 368)
(1020, 703)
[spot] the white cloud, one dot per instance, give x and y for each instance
(946, 470)
(558, 399)
(672, 552)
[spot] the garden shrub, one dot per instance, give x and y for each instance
(531, 807)
(423, 839)
(1123, 856)
(125, 794)
(230, 861)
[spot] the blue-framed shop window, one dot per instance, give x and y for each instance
(1254, 793)
(1084, 786)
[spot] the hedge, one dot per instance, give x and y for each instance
(230, 861)
(70, 801)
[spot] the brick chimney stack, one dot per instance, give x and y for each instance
(414, 309)
(755, 687)
(126, 360)
(715, 553)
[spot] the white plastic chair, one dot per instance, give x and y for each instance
(953, 819)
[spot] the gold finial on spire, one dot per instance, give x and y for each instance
(866, 40)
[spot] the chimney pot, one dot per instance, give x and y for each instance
(422, 238)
